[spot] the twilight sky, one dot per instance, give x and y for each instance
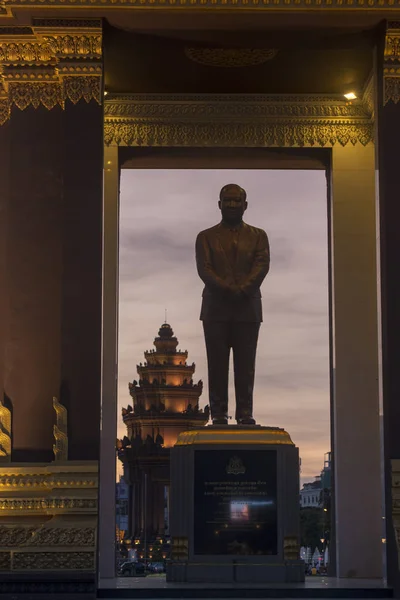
(161, 213)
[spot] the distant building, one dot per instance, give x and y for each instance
(326, 479)
(165, 403)
(311, 493)
(122, 507)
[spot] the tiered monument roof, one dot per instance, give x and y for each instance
(165, 394)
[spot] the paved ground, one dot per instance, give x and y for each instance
(158, 581)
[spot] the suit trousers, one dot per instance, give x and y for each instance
(220, 337)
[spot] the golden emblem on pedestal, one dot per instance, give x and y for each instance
(235, 466)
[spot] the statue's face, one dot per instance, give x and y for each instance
(232, 205)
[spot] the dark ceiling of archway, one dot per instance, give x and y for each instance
(312, 61)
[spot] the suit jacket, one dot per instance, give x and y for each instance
(217, 271)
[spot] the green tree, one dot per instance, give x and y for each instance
(311, 526)
(325, 502)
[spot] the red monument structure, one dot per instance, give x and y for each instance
(165, 403)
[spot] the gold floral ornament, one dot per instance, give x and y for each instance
(391, 67)
(230, 57)
(49, 63)
(60, 432)
(5, 433)
(4, 110)
(248, 120)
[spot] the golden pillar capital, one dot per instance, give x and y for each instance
(50, 62)
(5, 433)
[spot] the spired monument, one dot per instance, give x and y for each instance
(234, 489)
(165, 403)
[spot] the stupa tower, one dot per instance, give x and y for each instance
(165, 400)
(165, 403)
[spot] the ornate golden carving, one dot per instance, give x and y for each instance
(5, 561)
(22, 94)
(392, 42)
(38, 561)
(5, 110)
(5, 432)
(50, 62)
(86, 87)
(48, 482)
(54, 509)
(179, 549)
(48, 47)
(29, 505)
(60, 432)
(368, 97)
(47, 536)
(235, 106)
(391, 68)
(226, 435)
(263, 5)
(234, 120)
(291, 550)
(15, 536)
(392, 86)
(230, 57)
(46, 478)
(60, 536)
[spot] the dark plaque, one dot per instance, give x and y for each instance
(235, 502)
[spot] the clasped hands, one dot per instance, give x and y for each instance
(235, 290)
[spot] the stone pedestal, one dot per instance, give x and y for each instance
(234, 510)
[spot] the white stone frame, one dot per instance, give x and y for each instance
(291, 122)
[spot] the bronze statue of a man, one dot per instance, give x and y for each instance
(232, 260)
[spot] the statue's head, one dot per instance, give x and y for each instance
(232, 202)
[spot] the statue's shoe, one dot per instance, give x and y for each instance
(220, 421)
(246, 422)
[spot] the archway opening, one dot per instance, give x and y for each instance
(161, 212)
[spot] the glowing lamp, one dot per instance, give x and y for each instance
(350, 96)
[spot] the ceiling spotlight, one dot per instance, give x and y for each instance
(350, 96)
